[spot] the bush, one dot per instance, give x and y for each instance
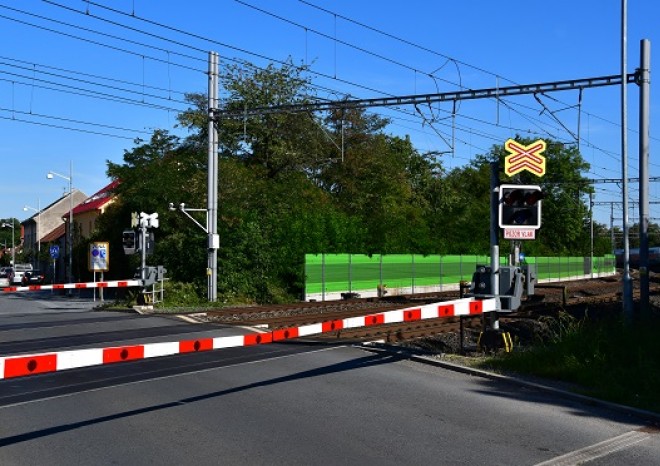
(180, 294)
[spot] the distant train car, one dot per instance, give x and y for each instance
(654, 258)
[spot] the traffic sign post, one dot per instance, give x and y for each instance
(99, 261)
(99, 257)
(54, 253)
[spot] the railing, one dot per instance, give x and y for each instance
(328, 276)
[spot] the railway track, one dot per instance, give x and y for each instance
(549, 301)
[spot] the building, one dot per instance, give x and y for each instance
(87, 212)
(48, 226)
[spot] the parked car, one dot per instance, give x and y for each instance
(33, 277)
(6, 276)
(19, 270)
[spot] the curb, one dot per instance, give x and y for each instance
(648, 416)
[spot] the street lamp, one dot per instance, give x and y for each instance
(13, 250)
(69, 178)
(38, 211)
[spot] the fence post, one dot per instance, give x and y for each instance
(380, 271)
(413, 274)
(441, 284)
(322, 276)
(350, 273)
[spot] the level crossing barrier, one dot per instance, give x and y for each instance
(74, 286)
(29, 364)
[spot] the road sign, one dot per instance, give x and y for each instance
(99, 257)
(524, 157)
(519, 233)
(54, 251)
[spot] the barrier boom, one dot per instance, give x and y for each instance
(76, 286)
(29, 364)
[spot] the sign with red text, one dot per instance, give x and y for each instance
(519, 233)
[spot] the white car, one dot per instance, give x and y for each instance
(6, 276)
(19, 270)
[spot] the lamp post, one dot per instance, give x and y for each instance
(13, 250)
(38, 211)
(69, 178)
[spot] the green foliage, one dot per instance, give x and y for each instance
(181, 294)
(607, 358)
(295, 183)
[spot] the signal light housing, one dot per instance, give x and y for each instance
(129, 242)
(520, 206)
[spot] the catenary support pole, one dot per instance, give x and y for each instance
(591, 234)
(644, 102)
(212, 188)
(627, 280)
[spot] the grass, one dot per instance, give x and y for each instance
(610, 359)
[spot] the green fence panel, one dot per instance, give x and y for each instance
(426, 270)
(313, 273)
(397, 270)
(365, 271)
(359, 272)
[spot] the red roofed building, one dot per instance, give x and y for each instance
(86, 213)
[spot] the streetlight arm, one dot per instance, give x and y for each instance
(52, 173)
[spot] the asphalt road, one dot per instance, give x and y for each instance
(294, 403)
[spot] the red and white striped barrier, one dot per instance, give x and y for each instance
(22, 365)
(76, 286)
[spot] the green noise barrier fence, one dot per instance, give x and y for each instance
(330, 275)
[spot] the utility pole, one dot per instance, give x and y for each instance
(212, 188)
(627, 281)
(591, 234)
(644, 103)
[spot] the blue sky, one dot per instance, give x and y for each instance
(58, 53)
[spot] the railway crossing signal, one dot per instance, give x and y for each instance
(523, 157)
(520, 207)
(129, 242)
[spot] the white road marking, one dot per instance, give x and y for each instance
(597, 450)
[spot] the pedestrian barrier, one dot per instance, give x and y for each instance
(22, 365)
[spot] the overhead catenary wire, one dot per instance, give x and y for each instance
(457, 115)
(119, 12)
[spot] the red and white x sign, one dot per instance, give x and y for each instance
(524, 157)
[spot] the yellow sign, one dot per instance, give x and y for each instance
(524, 157)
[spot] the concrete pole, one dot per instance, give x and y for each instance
(38, 231)
(627, 281)
(212, 188)
(591, 229)
(70, 224)
(644, 103)
(612, 240)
